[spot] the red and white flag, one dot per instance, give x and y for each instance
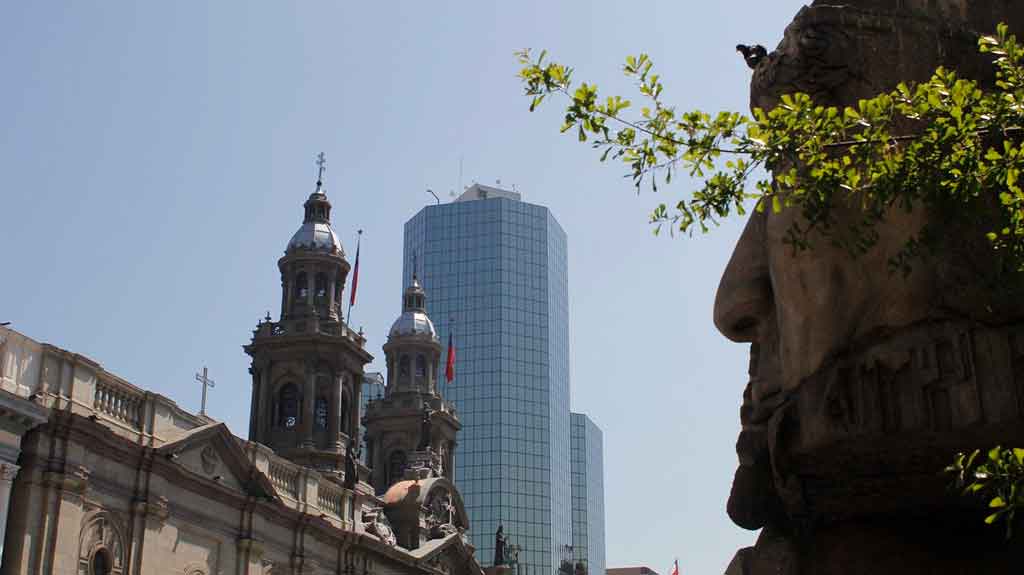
(449, 365)
(675, 568)
(355, 272)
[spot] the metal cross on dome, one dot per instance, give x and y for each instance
(321, 162)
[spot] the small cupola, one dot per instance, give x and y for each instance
(414, 319)
(414, 299)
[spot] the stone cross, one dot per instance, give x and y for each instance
(207, 382)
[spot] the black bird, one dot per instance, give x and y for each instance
(752, 54)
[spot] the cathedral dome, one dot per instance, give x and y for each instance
(315, 235)
(413, 323)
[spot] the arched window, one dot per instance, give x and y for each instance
(403, 370)
(320, 410)
(288, 406)
(396, 466)
(101, 563)
(321, 287)
(301, 286)
(421, 368)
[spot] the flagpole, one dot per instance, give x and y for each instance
(355, 280)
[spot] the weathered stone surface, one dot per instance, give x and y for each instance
(863, 384)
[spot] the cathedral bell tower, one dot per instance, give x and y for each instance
(410, 433)
(307, 367)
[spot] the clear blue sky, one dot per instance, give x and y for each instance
(156, 155)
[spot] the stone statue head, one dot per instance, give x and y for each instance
(822, 323)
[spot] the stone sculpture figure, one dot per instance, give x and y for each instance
(425, 439)
(499, 546)
(863, 384)
(351, 475)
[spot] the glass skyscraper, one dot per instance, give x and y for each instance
(587, 494)
(494, 268)
(372, 388)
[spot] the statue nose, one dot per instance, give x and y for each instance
(744, 298)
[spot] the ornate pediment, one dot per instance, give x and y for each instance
(211, 452)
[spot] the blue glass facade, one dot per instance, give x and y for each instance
(495, 272)
(587, 494)
(372, 388)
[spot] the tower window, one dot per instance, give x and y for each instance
(320, 409)
(396, 466)
(301, 286)
(288, 406)
(321, 287)
(403, 370)
(421, 367)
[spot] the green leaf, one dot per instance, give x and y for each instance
(997, 502)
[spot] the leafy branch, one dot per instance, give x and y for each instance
(998, 478)
(942, 144)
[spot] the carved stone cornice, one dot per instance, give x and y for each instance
(75, 480)
(18, 415)
(155, 507)
(8, 471)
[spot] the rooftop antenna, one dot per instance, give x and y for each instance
(431, 192)
(460, 171)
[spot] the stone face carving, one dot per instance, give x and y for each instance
(864, 383)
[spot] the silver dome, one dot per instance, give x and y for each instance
(315, 235)
(413, 322)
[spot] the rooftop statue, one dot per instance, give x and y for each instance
(864, 383)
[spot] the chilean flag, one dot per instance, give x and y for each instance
(449, 365)
(355, 273)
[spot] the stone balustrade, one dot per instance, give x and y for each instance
(119, 401)
(303, 488)
(285, 477)
(308, 326)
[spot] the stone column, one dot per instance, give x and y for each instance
(285, 296)
(333, 411)
(353, 408)
(310, 285)
(330, 293)
(264, 403)
(308, 405)
(8, 471)
(289, 288)
(254, 405)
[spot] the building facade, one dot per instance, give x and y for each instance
(496, 269)
(587, 453)
(117, 480)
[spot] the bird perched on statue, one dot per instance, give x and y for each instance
(752, 54)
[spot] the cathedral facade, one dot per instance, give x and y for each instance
(101, 477)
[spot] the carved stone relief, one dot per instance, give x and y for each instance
(101, 535)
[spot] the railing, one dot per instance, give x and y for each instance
(308, 325)
(285, 477)
(330, 498)
(121, 403)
